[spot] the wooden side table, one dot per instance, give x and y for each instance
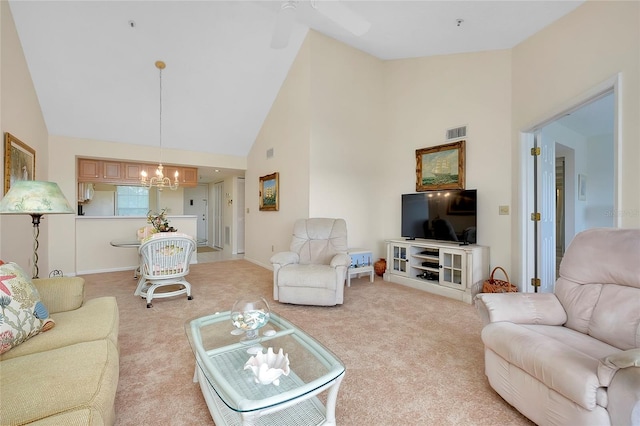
(361, 263)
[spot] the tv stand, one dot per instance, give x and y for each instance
(410, 238)
(440, 267)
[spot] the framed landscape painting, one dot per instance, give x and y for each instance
(19, 161)
(440, 167)
(269, 192)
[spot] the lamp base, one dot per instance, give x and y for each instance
(35, 219)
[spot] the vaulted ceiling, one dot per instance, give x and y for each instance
(92, 62)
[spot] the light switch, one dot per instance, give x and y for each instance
(503, 210)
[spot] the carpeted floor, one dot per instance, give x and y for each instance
(412, 358)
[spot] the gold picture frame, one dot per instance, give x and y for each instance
(19, 161)
(440, 167)
(269, 192)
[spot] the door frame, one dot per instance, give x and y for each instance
(527, 237)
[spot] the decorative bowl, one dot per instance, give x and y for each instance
(267, 368)
(249, 315)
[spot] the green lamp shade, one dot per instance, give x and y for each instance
(34, 197)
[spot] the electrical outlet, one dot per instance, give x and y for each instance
(503, 210)
(247, 210)
(272, 248)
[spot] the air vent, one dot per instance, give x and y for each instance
(457, 133)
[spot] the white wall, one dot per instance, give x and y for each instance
(62, 159)
(21, 116)
(426, 96)
(347, 131)
(599, 197)
(366, 120)
(286, 130)
(555, 68)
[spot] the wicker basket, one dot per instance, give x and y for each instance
(493, 285)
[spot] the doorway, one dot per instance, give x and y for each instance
(195, 203)
(571, 187)
(218, 217)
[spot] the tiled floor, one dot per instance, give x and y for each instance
(215, 256)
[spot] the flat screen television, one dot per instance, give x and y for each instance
(449, 215)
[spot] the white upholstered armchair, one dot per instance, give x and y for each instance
(314, 269)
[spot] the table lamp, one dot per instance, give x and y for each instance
(35, 198)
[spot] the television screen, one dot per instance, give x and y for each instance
(448, 215)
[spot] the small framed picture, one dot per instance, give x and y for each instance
(19, 161)
(269, 192)
(582, 187)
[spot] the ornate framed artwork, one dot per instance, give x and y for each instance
(440, 167)
(19, 161)
(269, 192)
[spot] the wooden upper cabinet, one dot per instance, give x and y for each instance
(132, 172)
(112, 171)
(189, 176)
(89, 170)
(119, 172)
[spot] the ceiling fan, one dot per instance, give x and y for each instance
(335, 10)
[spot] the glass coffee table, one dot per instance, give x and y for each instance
(230, 391)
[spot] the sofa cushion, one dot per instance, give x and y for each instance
(562, 359)
(97, 319)
(321, 276)
(621, 330)
(76, 382)
(22, 314)
(61, 293)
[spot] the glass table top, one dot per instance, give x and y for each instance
(221, 356)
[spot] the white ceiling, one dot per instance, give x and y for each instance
(95, 77)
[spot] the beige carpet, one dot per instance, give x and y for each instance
(412, 358)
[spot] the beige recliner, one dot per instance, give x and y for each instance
(314, 269)
(572, 357)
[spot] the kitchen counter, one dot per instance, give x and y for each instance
(95, 254)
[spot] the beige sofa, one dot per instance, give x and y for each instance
(69, 374)
(573, 357)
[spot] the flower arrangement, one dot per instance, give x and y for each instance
(159, 221)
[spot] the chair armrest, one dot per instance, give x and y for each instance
(340, 259)
(60, 294)
(623, 392)
(609, 365)
(285, 258)
(520, 308)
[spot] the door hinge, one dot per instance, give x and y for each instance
(535, 151)
(535, 282)
(535, 217)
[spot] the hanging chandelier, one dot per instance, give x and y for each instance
(160, 181)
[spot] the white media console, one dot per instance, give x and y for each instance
(445, 268)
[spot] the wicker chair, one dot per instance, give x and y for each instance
(165, 259)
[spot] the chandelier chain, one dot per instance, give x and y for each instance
(160, 116)
(159, 180)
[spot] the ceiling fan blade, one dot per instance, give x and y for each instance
(284, 25)
(339, 13)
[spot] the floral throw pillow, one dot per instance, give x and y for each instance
(22, 314)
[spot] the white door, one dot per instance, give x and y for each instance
(195, 203)
(218, 217)
(546, 196)
(240, 216)
(595, 153)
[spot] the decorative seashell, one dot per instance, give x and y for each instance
(267, 368)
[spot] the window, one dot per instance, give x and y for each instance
(132, 201)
